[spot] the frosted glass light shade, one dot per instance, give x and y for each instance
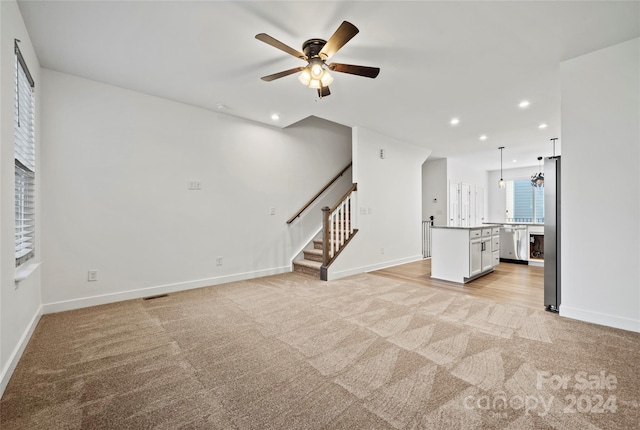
(305, 77)
(326, 79)
(316, 71)
(315, 83)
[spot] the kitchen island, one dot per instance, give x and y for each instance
(462, 254)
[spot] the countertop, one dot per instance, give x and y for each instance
(467, 228)
(516, 223)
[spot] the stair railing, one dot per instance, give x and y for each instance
(426, 238)
(313, 199)
(337, 228)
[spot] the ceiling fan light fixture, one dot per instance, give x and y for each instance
(315, 76)
(315, 83)
(316, 70)
(326, 79)
(316, 52)
(305, 77)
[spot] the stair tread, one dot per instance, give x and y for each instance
(313, 251)
(309, 263)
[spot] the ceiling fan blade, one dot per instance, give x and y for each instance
(279, 75)
(281, 46)
(369, 72)
(343, 34)
(323, 92)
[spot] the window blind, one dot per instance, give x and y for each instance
(25, 162)
(523, 202)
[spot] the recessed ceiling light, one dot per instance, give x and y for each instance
(514, 161)
(275, 116)
(542, 125)
(524, 104)
(221, 106)
(454, 121)
(483, 137)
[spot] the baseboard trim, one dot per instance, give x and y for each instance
(15, 356)
(370, 268)
(85, 302)
(600, 318)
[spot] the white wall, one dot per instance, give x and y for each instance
(600, 227)
(435, 186)
(116, 168)
(390, 191)
(20, 307)
(460, 171)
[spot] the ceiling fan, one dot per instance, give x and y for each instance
(316, 52)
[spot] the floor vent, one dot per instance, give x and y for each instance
(159, 296)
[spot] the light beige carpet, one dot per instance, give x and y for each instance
(290, 352)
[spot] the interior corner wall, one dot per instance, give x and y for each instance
(20, 304)
(389, 202)
(600, 236)
(434, 191)
(117, 165)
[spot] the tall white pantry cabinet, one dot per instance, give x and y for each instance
(461, 254)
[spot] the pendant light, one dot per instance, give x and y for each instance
(501, 182)
(537, 179)
(554, 145)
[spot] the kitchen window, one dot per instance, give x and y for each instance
(524, 203)
(24, 157)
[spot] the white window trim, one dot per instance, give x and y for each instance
(25, 166)
(24, 271)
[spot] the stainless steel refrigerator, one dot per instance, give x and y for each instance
(552, 223)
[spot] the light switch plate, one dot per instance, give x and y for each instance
(92, 275)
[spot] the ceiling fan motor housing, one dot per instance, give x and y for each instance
(312, 47)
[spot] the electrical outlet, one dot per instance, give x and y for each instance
(272, 211)
(381, 250)
(92, 275)
(218, 261)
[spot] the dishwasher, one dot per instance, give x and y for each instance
(514, 244)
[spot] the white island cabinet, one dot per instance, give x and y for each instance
(461, 254)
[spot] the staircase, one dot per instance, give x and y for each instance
(337, 231)
(312, 261)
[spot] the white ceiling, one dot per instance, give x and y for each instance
(438, 60)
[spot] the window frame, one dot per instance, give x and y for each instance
(510, 203)
(24, 161)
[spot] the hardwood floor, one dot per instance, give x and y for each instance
(510, 283)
